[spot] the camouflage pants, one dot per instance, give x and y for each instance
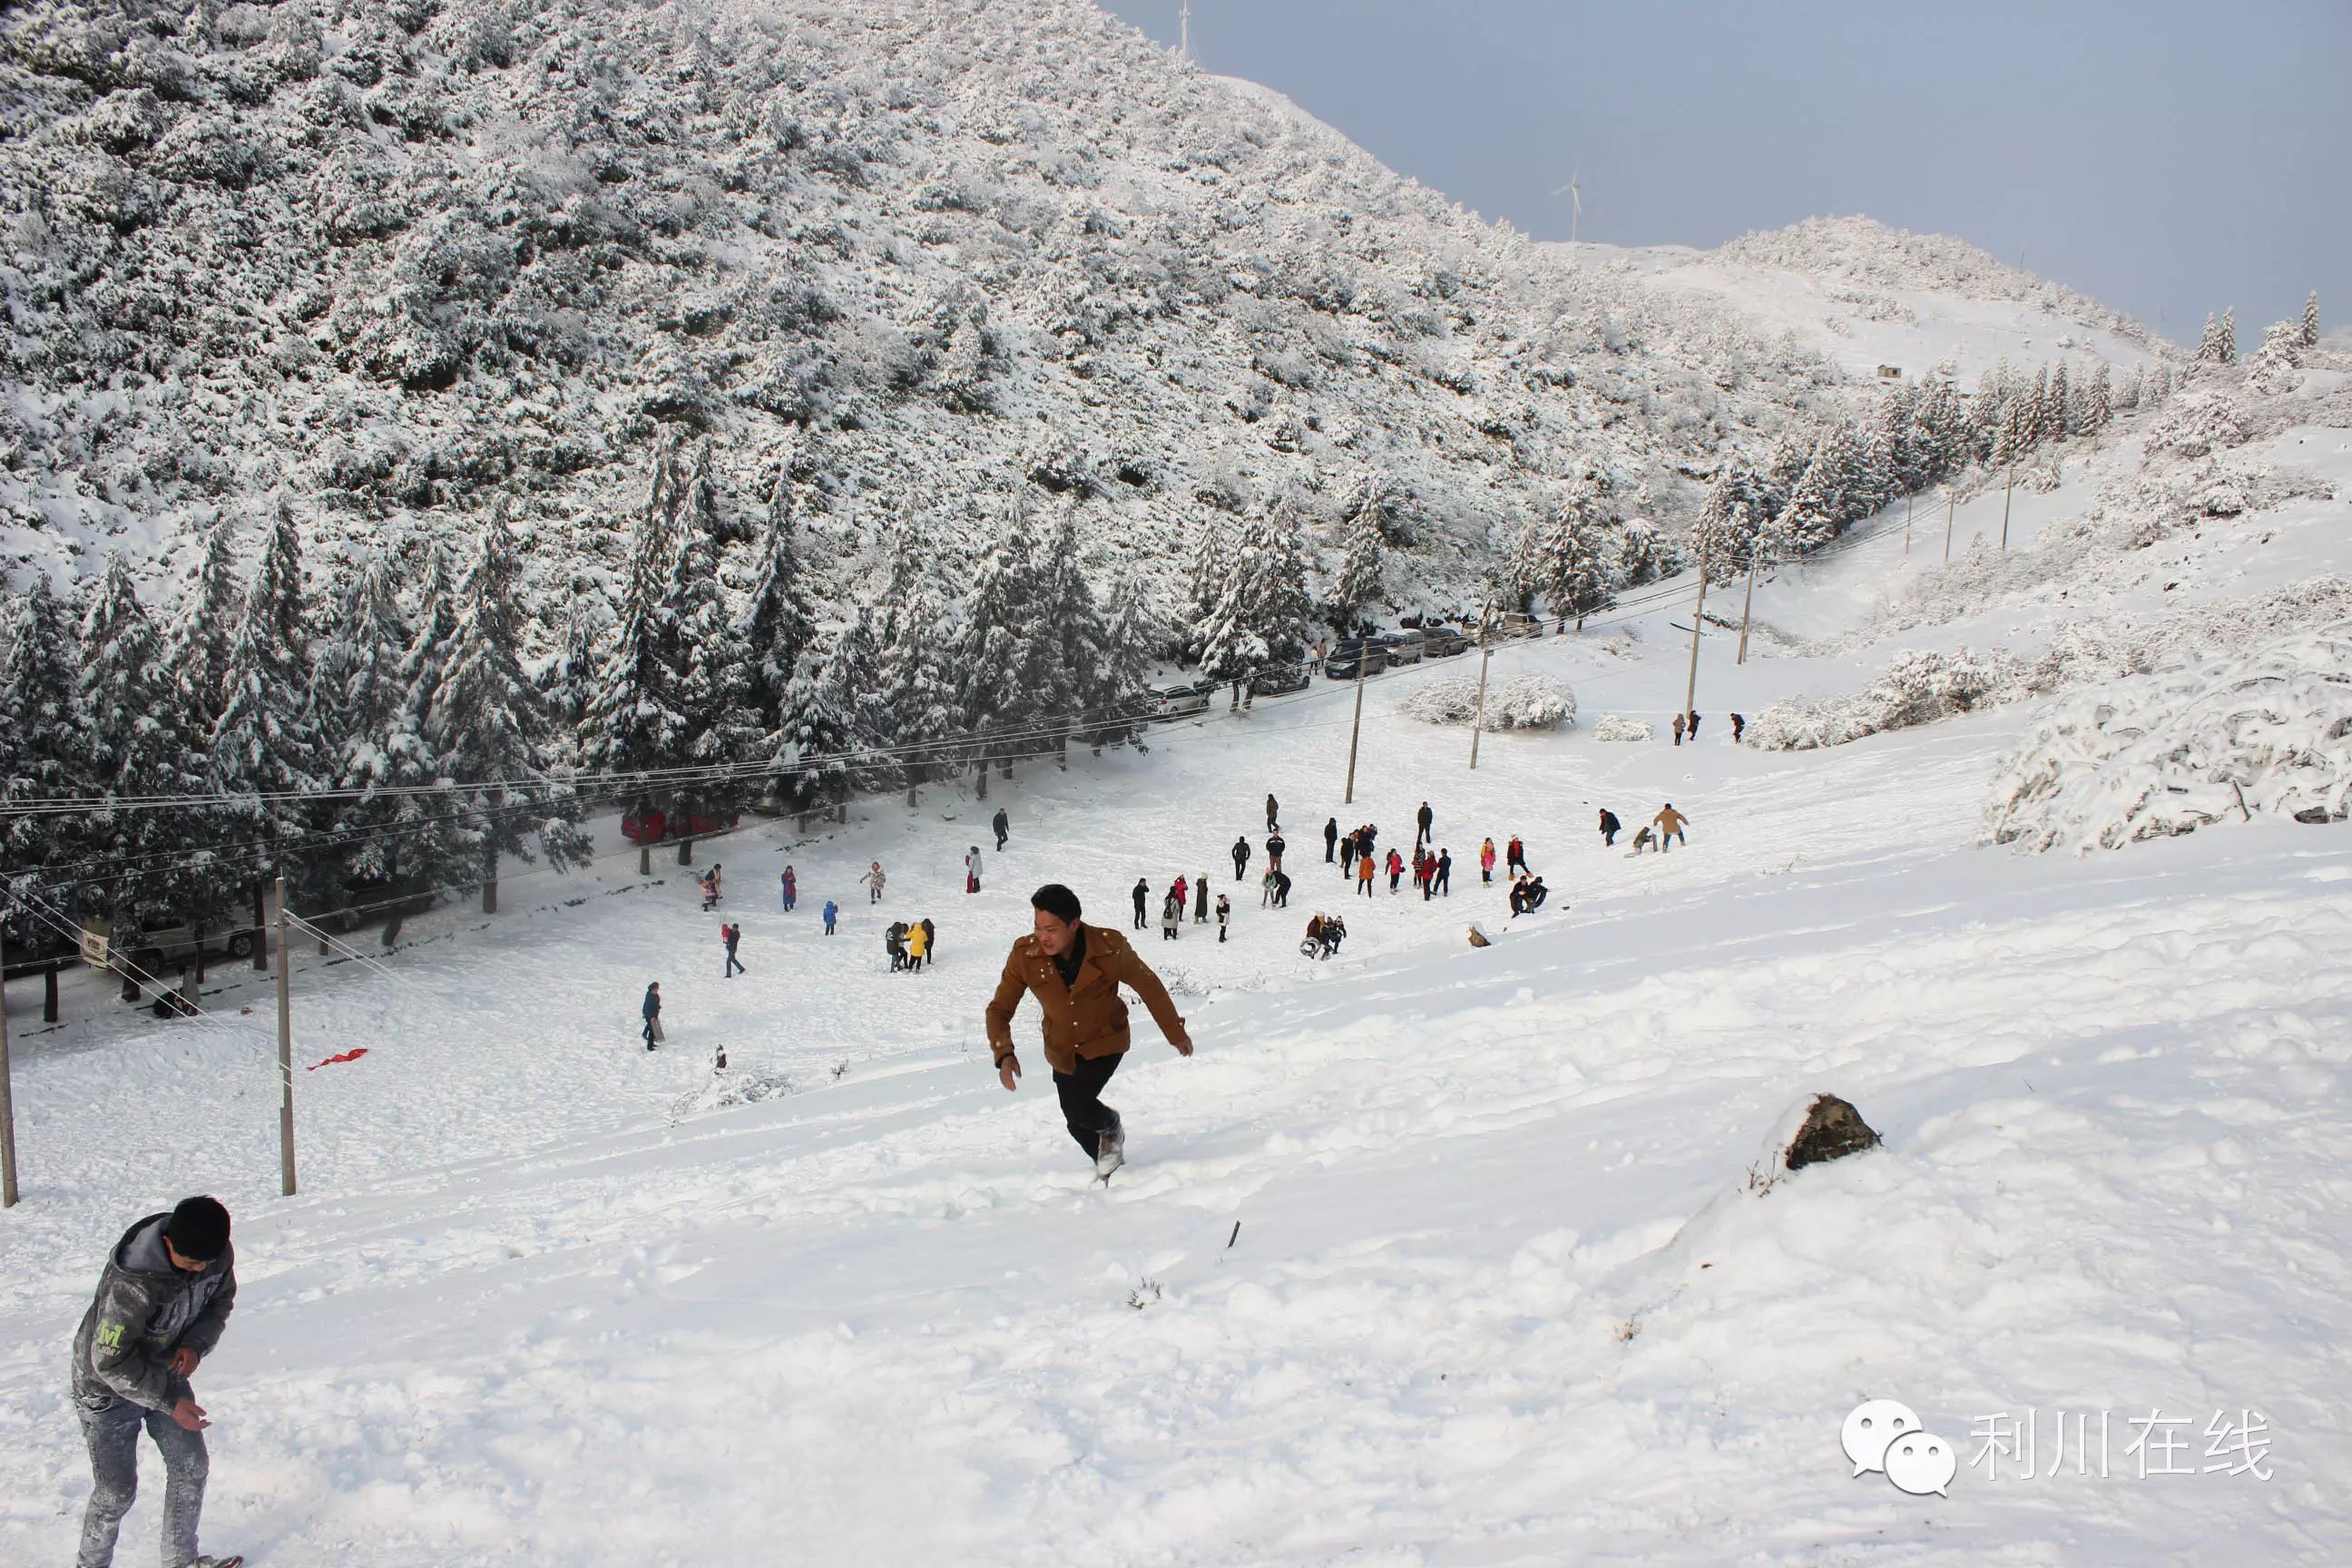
(110, 1427)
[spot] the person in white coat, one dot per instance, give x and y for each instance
(972, 870)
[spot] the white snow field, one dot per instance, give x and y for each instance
(1501, 1294)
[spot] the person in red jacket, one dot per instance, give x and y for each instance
(1396, 868)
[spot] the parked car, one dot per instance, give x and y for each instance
(1275, 679)
(1444, 642)
(1513, 623)
(1345, 657)
(1404, 647)
(176, 944)
(1178, 700)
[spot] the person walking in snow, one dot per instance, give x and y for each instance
(1396, 869)
(1737, 725)
(1240, 857)
(652, 1012)
(163, 1302)
(832, 913)
(1330, 839)
(1201, 901)
(1515, 856)
(1178, 890)
(971, 869)
(1670, 825)
(1271, 813)
(1487, 861)
(1610, 828)
(1224, 916)
(874, 881)
(894, 942)
(1142, 895)
(1445, 878)
(730, 935)
(919, 943)
(930, 942)
(1424, 822)
(1172, 916)
(1348, 842)
(792, 890)
(709, 890)
(1678, 729)
(1693, 725)
(1075, 971)
(1003, 825)
(1364, 875)
(1275, 846)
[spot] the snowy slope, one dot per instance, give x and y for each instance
(1499, 1294)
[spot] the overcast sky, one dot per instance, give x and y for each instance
(2166, 157)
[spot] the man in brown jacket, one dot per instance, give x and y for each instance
(1075, 971)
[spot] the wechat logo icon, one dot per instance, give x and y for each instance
(1885, 1436)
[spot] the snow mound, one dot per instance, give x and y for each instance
(1528, 701)
(2155, 755)
(1919, 687)
(740, 1086)
(1616, 727)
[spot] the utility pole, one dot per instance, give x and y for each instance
(1746, 603)
(285, 1049)
(1698, 619)
(2005, 488)
(7, 1102)
(1951, 505)
(1363, 653)
(1909, 499)
(1184, 33)
(1485, 652)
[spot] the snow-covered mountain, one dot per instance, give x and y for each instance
(391, 262)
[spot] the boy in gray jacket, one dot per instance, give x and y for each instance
(169, 1286)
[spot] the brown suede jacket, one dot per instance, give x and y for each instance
(1088, 1019)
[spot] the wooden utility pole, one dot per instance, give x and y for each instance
(1747, 603)
(1364, 654)
(1485, 652)
(1951, 505)
(1698, 620)
(285, 1048)
(1910, 500)
(7, 1102)
(2005, 488)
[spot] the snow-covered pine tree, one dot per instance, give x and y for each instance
(2058, 412)
(2311, 321)
(1896, 425)
(487, 729)
(914, 711)
(1579, 563)
(1360, 570)
(1130, 641)
(2230, 335)
(994, 704)
(713, 668)
(2127, 391)
(1070, 649)
(432, 626)
(2098, 402)
(206, 624)
(2034, 414)
(1809, 520)
(134, 744)
(566, 680)
(776, 623)
(633, 724)
(2212, 348)
(266, 747)
(41, 747)
(1205, 578)
(825, 749)
(1262, 609)
(2009, 440)
(1724, 537)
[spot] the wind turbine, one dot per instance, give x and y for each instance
(1575, 194)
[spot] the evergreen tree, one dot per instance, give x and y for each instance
(914, 712)
(994, 702)
(2311, 321)
(566, 680)
(2214, 346)
(207, 623)
(134, 745)
(2098, 402)
(1725, 534)
(1070, 650)
(713, 668)
(1809, 520)
(633, 723)
(266, 743)
(2058, 412)
(1205, 579)
(429, 640)
(487, 727)
(1579, 564)
(2127, 395)
(776, 623)
(826, 748)
(2230, 335)
(1130, 640)
(1262, 609)
(1360, 570)
(41, 743)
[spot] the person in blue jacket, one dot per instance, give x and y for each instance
(832, 912)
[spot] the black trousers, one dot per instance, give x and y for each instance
(1138, 917)
(999, 841)
(1083, 1110)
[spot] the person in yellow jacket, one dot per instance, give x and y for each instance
(1076, 970)
(919, 943)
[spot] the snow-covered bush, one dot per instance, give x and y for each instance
(2202, 419)
(1525, 702)
(2162, 753)
(1617, 727)
(1919, 687)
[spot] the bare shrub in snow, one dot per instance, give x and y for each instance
(1525, 701)
(2163, 754)
(1616, 727)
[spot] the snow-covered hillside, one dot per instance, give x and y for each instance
(1502, 1291)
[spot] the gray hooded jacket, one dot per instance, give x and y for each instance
(145, 1310)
